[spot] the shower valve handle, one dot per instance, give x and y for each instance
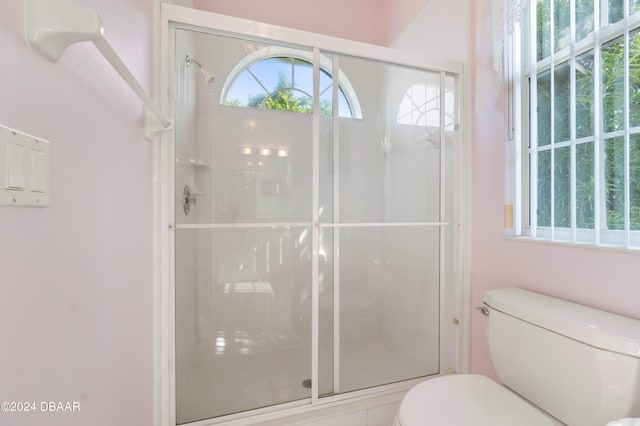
(188, 199)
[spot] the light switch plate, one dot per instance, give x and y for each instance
(25, 169)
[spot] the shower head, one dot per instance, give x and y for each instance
(210, 78)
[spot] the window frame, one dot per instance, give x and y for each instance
(270, 52)
(522, 69)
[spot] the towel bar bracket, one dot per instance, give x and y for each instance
(153, 127)
(54, 25)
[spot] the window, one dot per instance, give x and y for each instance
(420, 105)
(578, 80)
(282, 79)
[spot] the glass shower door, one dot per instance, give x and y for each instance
(382, 227)
(243, 240)
(306, 182)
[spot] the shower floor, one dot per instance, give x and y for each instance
(239, 383)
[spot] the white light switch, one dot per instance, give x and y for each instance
(25, 169)
(15, 167)
(39, 171)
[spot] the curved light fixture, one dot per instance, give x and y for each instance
(210, 78)
(54, 25)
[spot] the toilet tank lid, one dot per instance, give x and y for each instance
(594, 327)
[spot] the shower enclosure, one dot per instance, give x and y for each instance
(314, 219)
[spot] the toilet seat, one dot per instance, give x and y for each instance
(467, 400)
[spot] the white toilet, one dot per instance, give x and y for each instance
(560, 362)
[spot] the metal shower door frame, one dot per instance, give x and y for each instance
(175, 17)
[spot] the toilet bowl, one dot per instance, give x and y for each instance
(557, 363)
(467, 399)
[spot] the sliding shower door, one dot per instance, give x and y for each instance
(311, 217)
(243, 235)
(381, 229)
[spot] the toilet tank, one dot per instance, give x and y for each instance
(579, 364)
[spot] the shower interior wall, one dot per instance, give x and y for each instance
(380, 278)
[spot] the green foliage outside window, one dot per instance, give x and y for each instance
(285, 84)
(613, 110)
(286, 98)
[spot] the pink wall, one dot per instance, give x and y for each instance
(370, 21)
(595, 277)
(76, 303)
(76, 277)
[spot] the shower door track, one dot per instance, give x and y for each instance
(176, 17)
